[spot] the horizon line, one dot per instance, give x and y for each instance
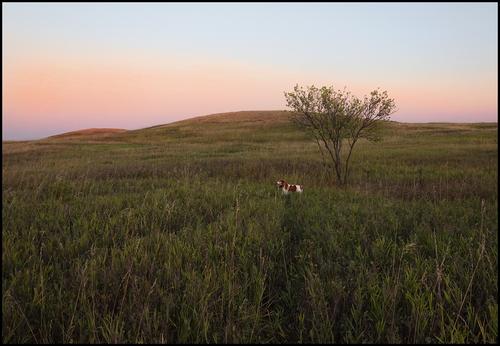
(221, 113)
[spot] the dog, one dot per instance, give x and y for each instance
(286, 188)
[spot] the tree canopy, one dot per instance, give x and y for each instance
(337, 116)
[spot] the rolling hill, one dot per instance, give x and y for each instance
(230, 125)
(88, 133)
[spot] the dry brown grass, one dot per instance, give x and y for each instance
(89, 132)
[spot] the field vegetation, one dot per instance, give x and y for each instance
(177, 233)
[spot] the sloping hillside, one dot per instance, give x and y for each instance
(88, 133)
(228, 127)
(249, 126)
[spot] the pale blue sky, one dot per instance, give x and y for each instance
(406, 47)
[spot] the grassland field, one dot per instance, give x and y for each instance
(177, 233)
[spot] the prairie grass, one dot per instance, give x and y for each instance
(177, 234)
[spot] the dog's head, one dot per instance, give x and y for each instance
(280, 183)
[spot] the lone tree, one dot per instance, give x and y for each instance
(336, 116)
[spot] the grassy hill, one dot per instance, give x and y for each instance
(176, 233)
(88, 133)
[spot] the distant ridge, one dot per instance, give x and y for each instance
(89, 132)
(228, 121)
(274, 116)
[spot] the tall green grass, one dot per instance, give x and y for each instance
(179, 235)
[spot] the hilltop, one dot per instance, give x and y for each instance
(92, 132)
(266, 125)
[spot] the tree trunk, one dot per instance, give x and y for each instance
(338, 172)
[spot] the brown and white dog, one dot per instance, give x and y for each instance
(286, 188)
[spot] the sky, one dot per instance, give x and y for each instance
(70, 66)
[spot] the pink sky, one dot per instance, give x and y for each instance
(134, 94)
(58, 77)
